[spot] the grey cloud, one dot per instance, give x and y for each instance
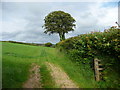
(30, 36)
(34, 14)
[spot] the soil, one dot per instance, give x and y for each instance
(61, 79)
(34, 78)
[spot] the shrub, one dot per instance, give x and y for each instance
(88, 45)
(48, 44)
(105, 45)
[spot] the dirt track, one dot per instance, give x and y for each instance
(61, 78)
(34, 78)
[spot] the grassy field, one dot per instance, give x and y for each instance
(17, 58)
(16, 61)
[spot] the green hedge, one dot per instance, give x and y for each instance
(105, 45)
(83, 48)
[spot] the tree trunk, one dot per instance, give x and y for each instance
(62, 36)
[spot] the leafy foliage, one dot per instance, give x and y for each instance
(104, 45)
(88, 45)
(59, 22)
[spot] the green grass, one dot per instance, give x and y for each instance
(47, 81)
(15, 67)
(84, 79)
(111, 74)
(0, 65)
(17, 58)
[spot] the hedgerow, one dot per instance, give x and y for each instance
(83, 48)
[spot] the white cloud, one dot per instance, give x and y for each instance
(23, 21)
(106, 16)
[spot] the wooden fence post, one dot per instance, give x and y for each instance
(97, 69)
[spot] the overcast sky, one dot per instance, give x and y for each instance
(22, 21)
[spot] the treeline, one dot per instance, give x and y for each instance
(34, 44)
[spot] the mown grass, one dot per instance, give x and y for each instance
(17, 58)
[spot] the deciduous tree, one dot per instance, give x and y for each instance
(59, 22)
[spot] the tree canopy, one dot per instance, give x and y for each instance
(59, 22)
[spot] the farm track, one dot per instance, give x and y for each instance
(61, 79)
(34, 78)
(16, 67)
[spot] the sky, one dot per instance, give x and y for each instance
(23, 21)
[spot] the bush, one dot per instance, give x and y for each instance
(88, 45)
(105, 45)
(48, 44)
